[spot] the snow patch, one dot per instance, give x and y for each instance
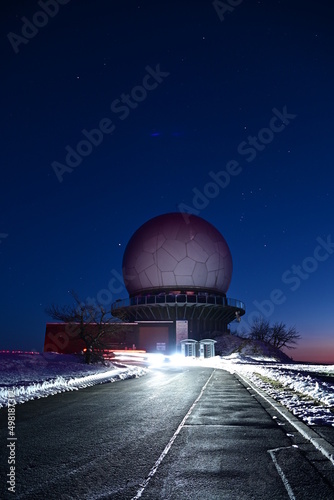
(32, 376)
(306, 390)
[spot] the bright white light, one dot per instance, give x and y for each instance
(178, 359)
(129, 358)
(155, 359)
(128, 355)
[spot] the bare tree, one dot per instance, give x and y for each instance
(260, 330)
(278, 335)
(89, 322)
(282, 336)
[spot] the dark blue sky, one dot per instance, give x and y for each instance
(255, 88)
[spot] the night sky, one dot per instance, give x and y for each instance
(223, 109)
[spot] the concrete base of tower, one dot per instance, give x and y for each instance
(165, 320)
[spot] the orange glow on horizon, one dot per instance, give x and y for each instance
(313, 352)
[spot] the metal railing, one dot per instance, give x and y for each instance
(181, 299)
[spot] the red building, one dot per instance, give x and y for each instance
(147, 335)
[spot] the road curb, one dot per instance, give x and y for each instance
(318, 442)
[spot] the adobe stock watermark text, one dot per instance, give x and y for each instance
(11, 443)
(227, 7)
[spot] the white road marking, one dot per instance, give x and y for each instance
(170, 444)
(281, 473)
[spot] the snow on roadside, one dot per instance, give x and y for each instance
(34, 375)
(306, 390)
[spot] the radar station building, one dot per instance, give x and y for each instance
(177, 269)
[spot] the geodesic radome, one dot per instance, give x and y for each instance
(177, 252)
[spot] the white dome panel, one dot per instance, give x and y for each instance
(185, 267)
(196, 252)
(143, 261)
(200, 274)
(153, 274)
(168, 278)
(214, 262)
(165, 261)
(184, 281)
(211, 280)
(144, 280)
(151, 244)
(176, 248)
(203, 240)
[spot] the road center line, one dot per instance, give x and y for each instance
(169, 445)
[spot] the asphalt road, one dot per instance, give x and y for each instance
(176, 433)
